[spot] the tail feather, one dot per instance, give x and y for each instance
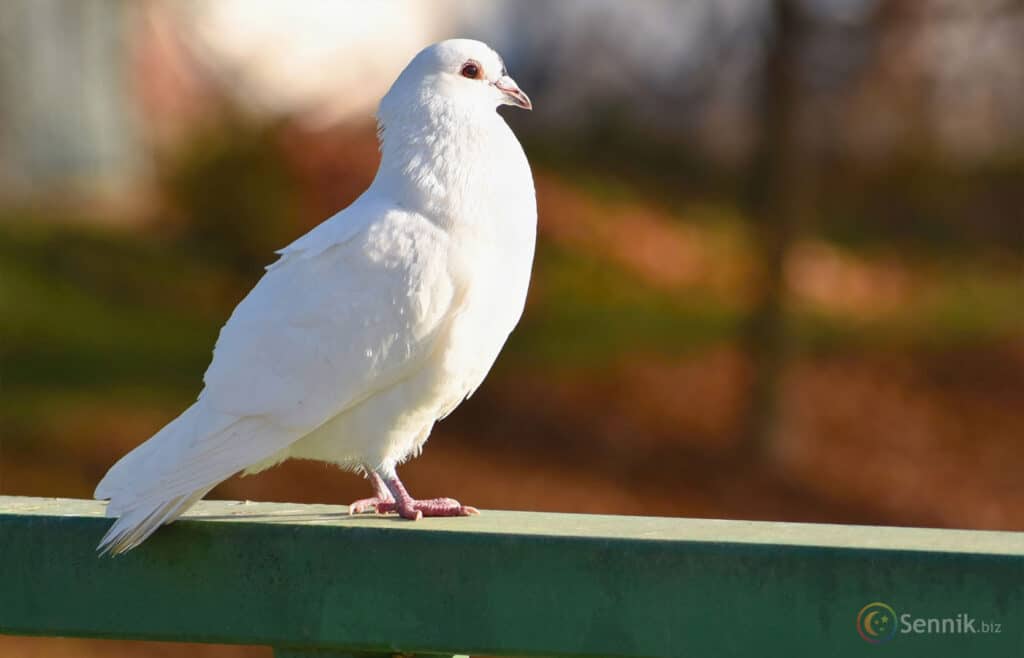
(159, 480)
(136, 525)
(122, 480)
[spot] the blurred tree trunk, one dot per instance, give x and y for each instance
(774, 203)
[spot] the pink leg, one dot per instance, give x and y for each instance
(381, 497)
(412, 509)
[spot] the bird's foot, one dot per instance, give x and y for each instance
(382, 497)
(412, 509)
(392, 496)
(370, 504)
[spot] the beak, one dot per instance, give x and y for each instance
(513, 94)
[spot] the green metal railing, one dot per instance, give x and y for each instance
(311, 581)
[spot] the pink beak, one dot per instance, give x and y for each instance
(513, 94)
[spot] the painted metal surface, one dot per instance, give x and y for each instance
(511, 583)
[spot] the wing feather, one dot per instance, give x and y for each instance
(321, 333)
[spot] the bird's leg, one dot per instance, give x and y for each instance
(412, 509)
(381, 496)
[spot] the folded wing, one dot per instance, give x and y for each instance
(330, 325)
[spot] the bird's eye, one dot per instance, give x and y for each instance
(471, 70)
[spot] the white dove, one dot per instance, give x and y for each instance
(373, 325)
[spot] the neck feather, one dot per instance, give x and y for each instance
(432, 154)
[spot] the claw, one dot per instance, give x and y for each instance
(368, 504)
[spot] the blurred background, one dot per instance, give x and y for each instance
(780, 271)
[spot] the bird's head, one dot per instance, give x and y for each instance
(462, 72)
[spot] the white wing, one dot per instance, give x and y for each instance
(335, 320)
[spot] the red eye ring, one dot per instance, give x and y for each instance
(472, 70)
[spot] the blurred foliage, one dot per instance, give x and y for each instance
(920, 202)
(589, 312)
(96, 313)
(230, 189)
(917, 203)
(615, 158)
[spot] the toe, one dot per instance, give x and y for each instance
(360, 506)
(370, 505)
(411, 514)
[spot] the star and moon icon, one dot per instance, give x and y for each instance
(876, 622)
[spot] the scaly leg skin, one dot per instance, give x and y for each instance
(381, 497)
(412, 509)
(391, 496)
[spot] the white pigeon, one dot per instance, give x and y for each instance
(375, 324)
